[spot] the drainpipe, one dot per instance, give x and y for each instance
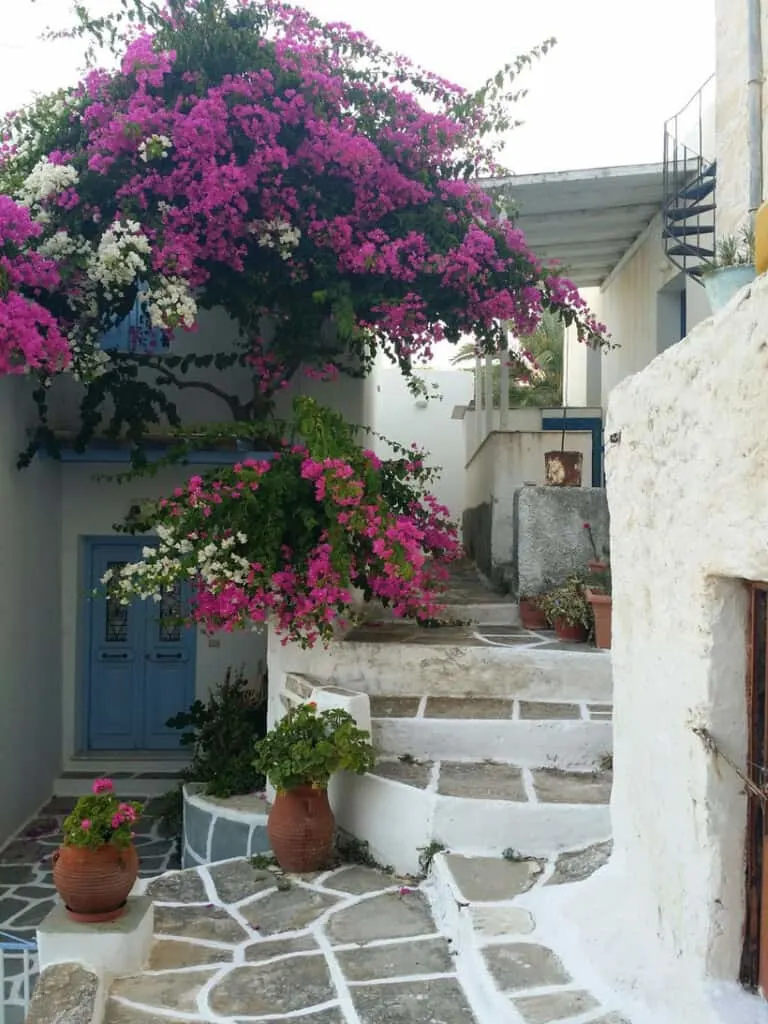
(755, 106)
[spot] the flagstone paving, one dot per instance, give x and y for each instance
(352, 945)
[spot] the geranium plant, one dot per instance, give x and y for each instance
(308, 746)
(101, 819)
(568, 603)
(326, 194)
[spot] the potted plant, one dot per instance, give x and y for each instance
(598, 562)
(531, 613)
(568, 610)
(299, 756)
(732, 268)
(95, 868)
(598, 593)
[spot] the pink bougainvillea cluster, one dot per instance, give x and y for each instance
(29, 334)
(317, 180)
(356, 521)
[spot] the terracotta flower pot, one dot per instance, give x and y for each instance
(301, 828)
(531, 616)
(563, 469)
(573, 634)
(597, 565)
(94, 884)
(602, 609)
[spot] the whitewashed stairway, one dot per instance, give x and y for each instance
(488, 738)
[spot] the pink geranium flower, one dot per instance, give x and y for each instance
(102, 786)
(85, 824)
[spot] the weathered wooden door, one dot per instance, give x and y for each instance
(754, 965)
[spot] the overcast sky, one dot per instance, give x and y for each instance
(599, 98)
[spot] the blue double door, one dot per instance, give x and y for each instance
(140, 660)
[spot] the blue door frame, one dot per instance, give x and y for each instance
(136, 667)
(594, 426)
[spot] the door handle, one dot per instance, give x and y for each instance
(178, 656)
(107, 656)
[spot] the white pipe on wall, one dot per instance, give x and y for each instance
(755, 105)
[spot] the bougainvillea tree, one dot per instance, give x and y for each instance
(327, 195)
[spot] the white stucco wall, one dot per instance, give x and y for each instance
(91, 508)
(218, 333)
(628, 304)
(688, 495)
(399, 416)
(30, 608)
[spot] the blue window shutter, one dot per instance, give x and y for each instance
(135, 333)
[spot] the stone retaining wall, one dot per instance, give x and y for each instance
(216, 829)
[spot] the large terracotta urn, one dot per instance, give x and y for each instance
(301, 828)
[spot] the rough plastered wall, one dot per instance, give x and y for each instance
(731, 115)
(504, 462)
(30, 614)
(688, 492)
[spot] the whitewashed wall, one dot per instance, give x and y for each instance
(629, 306)
(397, 415)
(688, 495)
(218, 333)
(30, 609)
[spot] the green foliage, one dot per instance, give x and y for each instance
(542, 389)
(101, 819)
(734, 250)
(599, 580)
(221, 732)
(568, 603)
(428, 853)
(307, 748)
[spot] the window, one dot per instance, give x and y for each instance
(135, 333)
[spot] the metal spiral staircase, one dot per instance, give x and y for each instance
(690, 175)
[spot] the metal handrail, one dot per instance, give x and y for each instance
(688, 170)
(14, 945)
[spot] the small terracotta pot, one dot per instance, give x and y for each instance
(596, 565)
(531, 616)
(301, 828)
(94, 884)
(563, 469)
(573, 634)
(602, 609)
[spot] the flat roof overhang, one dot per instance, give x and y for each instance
(585, 219)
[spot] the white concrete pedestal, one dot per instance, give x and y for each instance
(110, 950)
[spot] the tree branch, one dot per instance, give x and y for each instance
(237, 408)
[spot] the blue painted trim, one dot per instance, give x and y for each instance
(13, 944)
(595, 426)
(123, 455)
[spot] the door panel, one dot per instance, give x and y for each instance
(140, 663)
(115, 659)
(169, 659)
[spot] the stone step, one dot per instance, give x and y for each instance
(398, 659)
(480, 807)
(489, 906)
(528, 733)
